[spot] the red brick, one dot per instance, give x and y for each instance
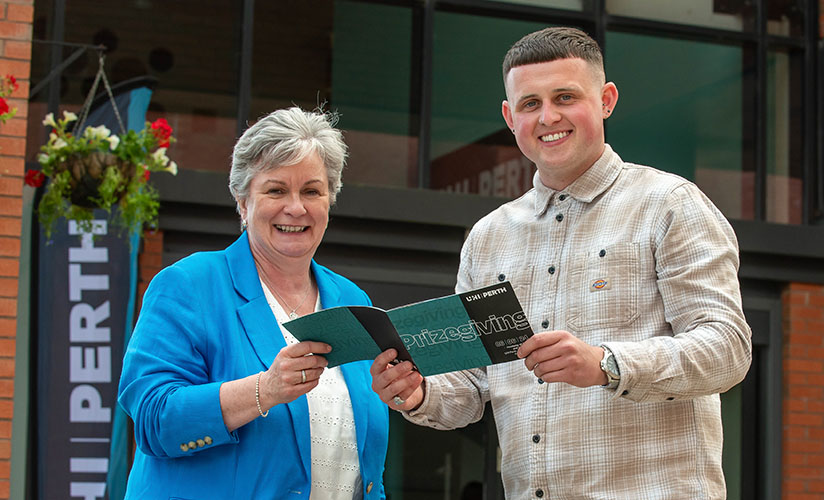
(800, 365)
(8, 287)
(13, 146)
(795, 459)
(11, 185)
(16, 127)
(4, 489)
(815, 459)
(791, 485)
(10, 205)
(9, 247)
(806, 312)
(15, 31)
(10, 226)
(796, 298)
(804, 446)
(6, 389)
(805, 287)
(8, 328)
(8, 307)
(795, 405)
(801, 496)
(816, 379)
(5, 469)
(6, 411)
(805, 472)
(805, 392)
(815, 406)
(17, 50)
(20, 13)
(5, 429)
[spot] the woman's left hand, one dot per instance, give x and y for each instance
(294, 372)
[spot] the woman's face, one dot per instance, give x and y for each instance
(287, 210)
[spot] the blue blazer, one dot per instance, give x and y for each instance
(205, 320)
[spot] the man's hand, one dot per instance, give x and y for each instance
(559, 356)
(390, 381)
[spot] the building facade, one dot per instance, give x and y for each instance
(727, 93)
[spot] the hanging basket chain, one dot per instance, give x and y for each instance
(84, 112)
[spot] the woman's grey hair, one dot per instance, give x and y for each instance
(285, 137)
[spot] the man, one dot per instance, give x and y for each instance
(629, 275)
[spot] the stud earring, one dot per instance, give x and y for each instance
(243, 224)
(513, 130)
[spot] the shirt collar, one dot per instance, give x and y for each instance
(585, 188)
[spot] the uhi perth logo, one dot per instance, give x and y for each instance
(467, 332)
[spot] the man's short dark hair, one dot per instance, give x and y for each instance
(550, 44)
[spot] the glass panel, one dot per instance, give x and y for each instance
(472, 149)
(193, 58)
(683, 118)
(556, 4)
(784, 138)
(371, 88)
(731, 455)
(785, 17)
(355, 58)
(723, 14)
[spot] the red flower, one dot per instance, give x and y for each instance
(12, 81)
(162, 131)
(35, 178)
(146, 175)
(4, 106)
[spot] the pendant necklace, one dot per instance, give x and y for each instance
(292, 313)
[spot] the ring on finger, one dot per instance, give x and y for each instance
(303, 376)
(398, 400)
(536, 366)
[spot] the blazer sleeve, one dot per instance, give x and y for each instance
(165, 386)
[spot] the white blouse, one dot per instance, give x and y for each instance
(335, 470)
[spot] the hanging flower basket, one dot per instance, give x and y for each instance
(98, 169)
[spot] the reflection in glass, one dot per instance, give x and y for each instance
(473, 151)
(785, 17)
(371, 86)
(783, 148)
(682, 118)
(737, 16)
(193, 59)
(578, 5)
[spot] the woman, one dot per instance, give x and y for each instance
(225, 403)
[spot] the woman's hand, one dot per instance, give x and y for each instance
(390, 381)
(294, 372)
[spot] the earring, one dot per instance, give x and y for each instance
(243, 224)
(513, 130)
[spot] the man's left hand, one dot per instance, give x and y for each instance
(559, 356)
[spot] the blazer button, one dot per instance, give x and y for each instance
(369, 487)
(201, 443)
(207, 440)
(192, 445)
(184, 447)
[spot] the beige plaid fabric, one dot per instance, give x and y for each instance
(642, 261)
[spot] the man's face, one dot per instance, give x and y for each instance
(557, 110)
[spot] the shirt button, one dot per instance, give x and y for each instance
(562, 197)
(540, 381)
(624, 393)
(551, 269)
(539, 493)
(501, 277)
(536, 438)
(545, 324)
(559, 217)
(602, 253)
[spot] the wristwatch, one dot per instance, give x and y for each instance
(610, 367)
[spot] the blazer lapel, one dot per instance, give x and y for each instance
(255, 315)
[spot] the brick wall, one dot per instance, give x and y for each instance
(15, 56)
(803, 412)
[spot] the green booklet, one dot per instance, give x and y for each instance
(457, 332)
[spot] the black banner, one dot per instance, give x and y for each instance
(82, 311)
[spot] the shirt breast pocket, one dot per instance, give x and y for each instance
(603, 287)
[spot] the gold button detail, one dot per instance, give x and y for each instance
(207, 440)
(201, 443)
(369, 487)
(192, 445)
(184, 447)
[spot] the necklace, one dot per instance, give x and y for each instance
(292, 313)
